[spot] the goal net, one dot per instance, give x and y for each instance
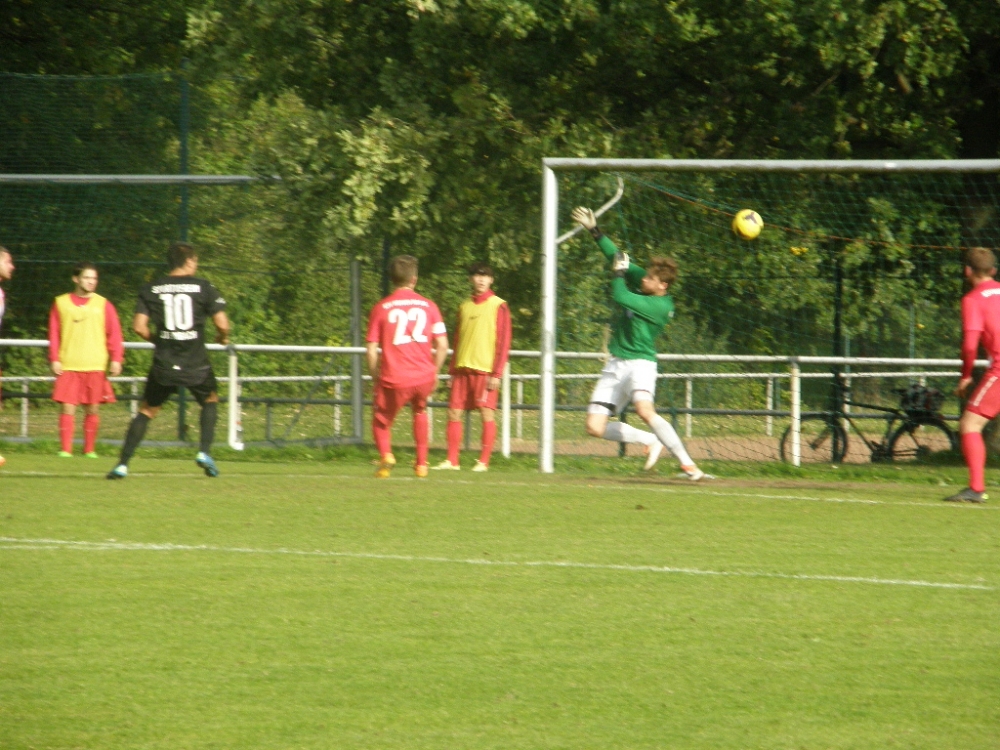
(858, 259)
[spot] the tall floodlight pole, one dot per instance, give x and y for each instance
(357, 384)
(547, 400)
(185, 132)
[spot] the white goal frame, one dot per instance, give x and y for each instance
(551, 238)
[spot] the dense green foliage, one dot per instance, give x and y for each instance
(419, 125)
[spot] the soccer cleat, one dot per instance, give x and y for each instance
(2, 460)
(385, 466)
(447, 465)
(421, 471)
(92, 454)
(968, 495)
(694, 473)
(205, 462)
(479, 467)
(64, 454)
(119, 472)
(653, 456)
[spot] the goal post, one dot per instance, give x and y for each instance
(876, 212)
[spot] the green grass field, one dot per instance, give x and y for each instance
(302, 604)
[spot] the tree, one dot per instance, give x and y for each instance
(421, 123)
(105, 37)
(432, 115)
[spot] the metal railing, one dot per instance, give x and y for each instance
(918, 369)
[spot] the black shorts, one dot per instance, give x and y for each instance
(157, 393)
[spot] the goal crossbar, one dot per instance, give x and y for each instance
(775, 165)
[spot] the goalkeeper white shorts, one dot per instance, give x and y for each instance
(621, 381)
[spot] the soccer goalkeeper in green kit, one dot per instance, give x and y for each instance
(642, 309)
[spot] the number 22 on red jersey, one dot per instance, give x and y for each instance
(409, 325)
(404, 325)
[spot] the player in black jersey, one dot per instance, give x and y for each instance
(171, 312)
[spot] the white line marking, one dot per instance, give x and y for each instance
(13, 543)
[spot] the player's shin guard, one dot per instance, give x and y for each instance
(382, 432)
(67, 424)
(623, 433)
(421, 436)
(209, 416)
(136, 432)
(489, 437)
(974, 450)
(91, 423)
(669, 437)
(454, 441)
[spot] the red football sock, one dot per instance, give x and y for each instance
(489, 436)
(454, 441)
(420, 434)
(974, 450)
(90, 424)
(67, 424)
(382, 431)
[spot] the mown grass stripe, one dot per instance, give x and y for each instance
(25, 544)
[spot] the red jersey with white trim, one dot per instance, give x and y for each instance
(404, 325)
(981, 315)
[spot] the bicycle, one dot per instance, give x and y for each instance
(915, 431)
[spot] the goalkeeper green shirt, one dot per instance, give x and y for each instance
(638, 318)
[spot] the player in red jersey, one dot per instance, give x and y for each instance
(411, 333)
(6, 272)
(85, 337)
(980, 325)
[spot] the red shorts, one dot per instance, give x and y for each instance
(388, 401)
(985, 400)
(469, 391)
(83, 388)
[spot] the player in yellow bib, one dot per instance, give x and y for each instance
(85, 340)
(482, 345)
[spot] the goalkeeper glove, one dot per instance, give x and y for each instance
(620, 263)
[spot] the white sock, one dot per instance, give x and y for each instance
(669, 437)
(623, 433)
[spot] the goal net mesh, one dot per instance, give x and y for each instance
(865, 265)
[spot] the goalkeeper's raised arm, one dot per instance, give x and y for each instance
(585, 218)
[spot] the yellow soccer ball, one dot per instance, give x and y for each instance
(747, 224)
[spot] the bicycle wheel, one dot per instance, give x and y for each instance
(928, 441)
(821, 441)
